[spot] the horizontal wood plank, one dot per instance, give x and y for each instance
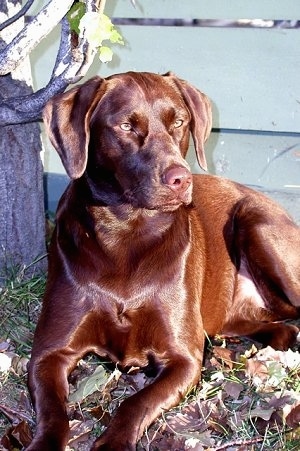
(265, 161)
(212, 9)
(197, 9)
(268, 163)
(251, 75)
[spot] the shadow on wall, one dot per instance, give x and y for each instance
(54, 186)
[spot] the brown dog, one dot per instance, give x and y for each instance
(140, 268)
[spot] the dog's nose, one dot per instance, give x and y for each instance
(177, 178)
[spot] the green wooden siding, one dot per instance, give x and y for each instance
(206, 9)
(250, 74)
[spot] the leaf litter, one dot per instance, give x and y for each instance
(248, 400)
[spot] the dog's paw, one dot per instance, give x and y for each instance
(41, 445)
(102, 444)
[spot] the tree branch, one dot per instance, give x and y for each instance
(72, 63)
(32, 34)
(17, 16)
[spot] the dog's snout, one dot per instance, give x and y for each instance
(177, 178)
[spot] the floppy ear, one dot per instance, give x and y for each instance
(66, 117)
(200, 109)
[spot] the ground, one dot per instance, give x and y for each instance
(248, 399)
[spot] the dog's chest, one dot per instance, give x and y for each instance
(127, 331)
(131, 253)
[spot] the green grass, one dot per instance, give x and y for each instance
(20, 301)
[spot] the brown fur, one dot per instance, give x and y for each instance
(146, 258)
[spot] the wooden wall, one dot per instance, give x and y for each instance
(251, 74)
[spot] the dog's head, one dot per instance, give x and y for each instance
(131, 132)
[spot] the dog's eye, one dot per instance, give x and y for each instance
(126, 126)
(178, 123)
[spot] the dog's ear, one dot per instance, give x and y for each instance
(67, 118)
(200, 109)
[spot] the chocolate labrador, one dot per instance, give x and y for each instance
(146, 259)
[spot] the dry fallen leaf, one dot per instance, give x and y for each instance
(19, 365)
(89, 385)
(261, 412)
(17, 436)
(4, 345)
(233, 389)
(226, 355)
(79, 431)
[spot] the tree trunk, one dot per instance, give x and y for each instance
(22, 219)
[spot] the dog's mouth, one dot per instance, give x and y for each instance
(165, 201)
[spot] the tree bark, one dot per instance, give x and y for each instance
(22, 219)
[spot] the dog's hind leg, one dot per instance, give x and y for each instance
(266, 248)
(279, 335)
(269, 241)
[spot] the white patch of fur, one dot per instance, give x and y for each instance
(246, 288)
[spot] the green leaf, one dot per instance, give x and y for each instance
(115, 37)
(89, 385)
(75, 15)
(98, 28)
(105, 54)
(277, 373)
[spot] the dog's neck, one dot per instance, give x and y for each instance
(129, 236)
(125, 219)
(116, 216)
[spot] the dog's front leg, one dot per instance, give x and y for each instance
(49, 391)
(137, 412)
